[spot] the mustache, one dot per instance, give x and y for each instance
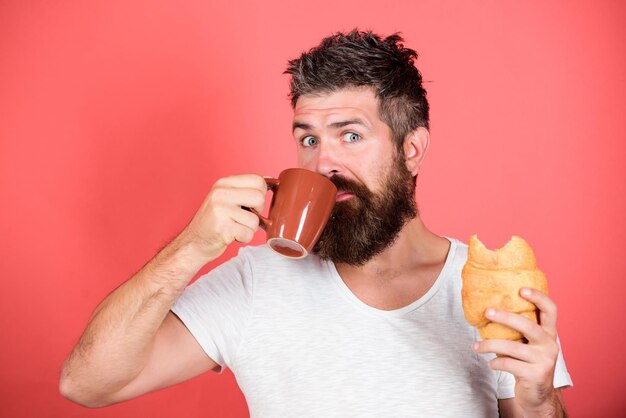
(350, 186)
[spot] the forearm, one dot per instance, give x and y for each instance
(116, 343)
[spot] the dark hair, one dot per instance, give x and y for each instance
(362, 58)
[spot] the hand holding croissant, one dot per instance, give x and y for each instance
(505, 296)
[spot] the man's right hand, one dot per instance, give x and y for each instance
(222, 218)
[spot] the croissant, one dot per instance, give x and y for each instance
(493, 279)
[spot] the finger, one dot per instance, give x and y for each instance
(251, 198)
(242, 233)
(518, 368)
(547, 308)
(248, 197)
(532, 331)
(241, 181)
(514, 349)
(245, 218)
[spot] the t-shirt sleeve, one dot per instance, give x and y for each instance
(561, 375)
(506, 381)
(216, 308)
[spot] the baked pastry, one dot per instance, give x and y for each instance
(493, 279)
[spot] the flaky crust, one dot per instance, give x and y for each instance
(493, 279)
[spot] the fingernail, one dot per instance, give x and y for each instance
(490, 313)
(476, 346)
(525, 292)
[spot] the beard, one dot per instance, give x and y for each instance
(368, 223)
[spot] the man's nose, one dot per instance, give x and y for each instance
(327, 159)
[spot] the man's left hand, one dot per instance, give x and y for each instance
(533, 363)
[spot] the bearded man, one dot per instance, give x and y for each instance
(370, 324)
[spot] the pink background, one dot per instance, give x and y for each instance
(116, 117)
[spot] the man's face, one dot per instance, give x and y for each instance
(341, 136)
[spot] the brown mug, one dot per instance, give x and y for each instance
(301, 206)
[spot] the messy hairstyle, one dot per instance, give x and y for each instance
(362, 58)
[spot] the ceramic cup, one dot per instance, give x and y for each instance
(301, 206)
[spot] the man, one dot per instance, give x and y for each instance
(370, 325)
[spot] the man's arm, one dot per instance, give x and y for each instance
(510, 409)
(133, 344)
(130, 332)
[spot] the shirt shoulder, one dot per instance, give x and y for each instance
(265, 263)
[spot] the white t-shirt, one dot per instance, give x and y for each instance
(301, 344)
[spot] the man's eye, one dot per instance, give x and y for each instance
(351, 137)
(309, 141)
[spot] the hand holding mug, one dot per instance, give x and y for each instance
(222, 219)
(301, 206)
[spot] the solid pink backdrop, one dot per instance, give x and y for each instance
(116, 117)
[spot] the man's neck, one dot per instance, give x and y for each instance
(401, 274)
(415, 246)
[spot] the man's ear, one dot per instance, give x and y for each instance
(415, 145)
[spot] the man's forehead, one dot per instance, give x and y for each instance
(349, 96)
(353, 102)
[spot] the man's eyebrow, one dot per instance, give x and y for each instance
(355, 121)
(334, 125)
(300, 125)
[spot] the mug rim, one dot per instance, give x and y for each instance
(304, 250)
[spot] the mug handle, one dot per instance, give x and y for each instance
(264, 222)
